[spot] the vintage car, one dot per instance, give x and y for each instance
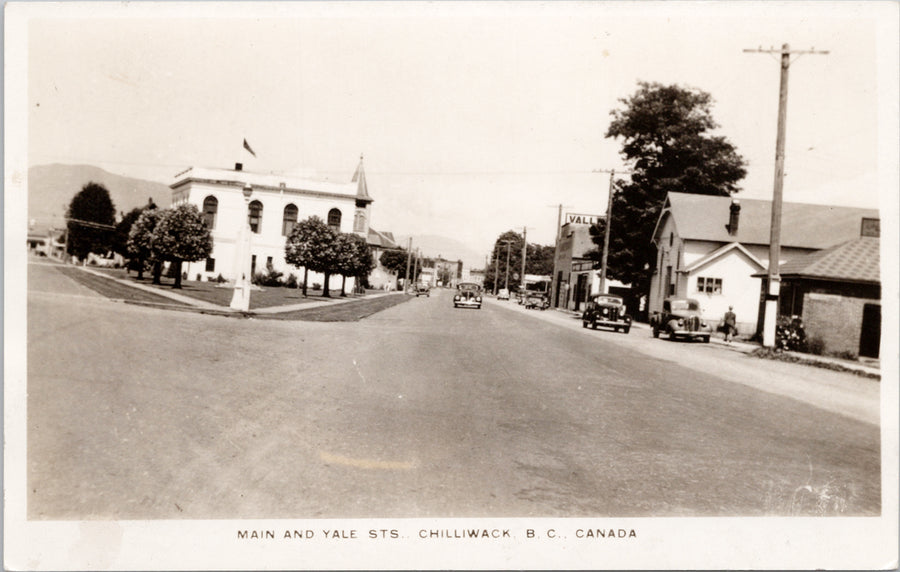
(423, 290)
(681, 318)
(468, 295)
(536, 300)
(606, 311)
(503, 294)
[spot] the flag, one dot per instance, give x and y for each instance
(247, 147)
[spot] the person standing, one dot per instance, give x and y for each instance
(730, 324)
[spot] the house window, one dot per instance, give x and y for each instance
(334, 219)
(709, 285)
(269, 266)
(289, 220)
(254, 216)
(210, 264)
(210, 208)
(252, 265)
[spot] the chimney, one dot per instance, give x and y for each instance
(734, 217)
(238, 166)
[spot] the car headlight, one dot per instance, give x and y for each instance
(680, 322)
(456, 298)
(702, 324)
(478, 298)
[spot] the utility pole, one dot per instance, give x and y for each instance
(506, 283)
(773, 278)
(496, 266)
(416, 266)
(408, 260)
(609, 206)
(554, 286)
(524, 255)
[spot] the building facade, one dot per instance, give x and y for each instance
(713, 248)
(276, 204)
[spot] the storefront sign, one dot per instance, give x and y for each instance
(573, 218)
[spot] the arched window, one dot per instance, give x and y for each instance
(334, 219)
(210, 208)
(254, 216)
(289, 220)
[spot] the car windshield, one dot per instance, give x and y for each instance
(685, 305)
(608, 300)
(467, 287)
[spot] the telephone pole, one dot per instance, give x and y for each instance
(524, 255)
(609, 206)
(554, 282)
(408, 260)
(772, 287)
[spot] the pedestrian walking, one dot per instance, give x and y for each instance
(730, 324)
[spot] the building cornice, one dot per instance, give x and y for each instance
(287, 190)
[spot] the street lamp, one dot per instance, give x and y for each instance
(241, 298)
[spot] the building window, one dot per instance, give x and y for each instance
(254, 216)
(210, 208)
(289, 220)
(252, 265)
(269, 266)
(334, 219)
(709, 285)
(210, 264)
(359, 222)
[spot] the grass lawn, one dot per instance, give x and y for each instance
(349, 312)
(112, 289)
(265, 297)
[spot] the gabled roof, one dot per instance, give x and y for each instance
(380, 239)
(704, 217)
(719, 252)
(852, 261)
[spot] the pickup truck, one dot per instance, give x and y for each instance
(680, 318)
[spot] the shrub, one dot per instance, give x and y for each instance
(291, 281)
(847, 355)
(789, 334)
(220, 279)
(269, 278)
(316, 286)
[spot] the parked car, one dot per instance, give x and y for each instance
(468, 295)
(423, 290)
(503, 294)
(537, 300)
(681, 318)
(607, 311)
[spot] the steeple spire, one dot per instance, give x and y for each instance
(359, 177)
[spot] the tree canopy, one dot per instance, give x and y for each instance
(353, 257)
(667, 141)
(182, 236)
(538, 260)
(311, 244)
(90, 215)
(140, 238)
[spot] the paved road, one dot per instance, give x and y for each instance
(420, 410)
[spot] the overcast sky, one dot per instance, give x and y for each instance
(473, 118)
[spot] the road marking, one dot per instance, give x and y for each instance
(364, 463)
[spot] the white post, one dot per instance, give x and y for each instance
(241, 299)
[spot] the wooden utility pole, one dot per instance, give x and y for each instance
(506, 283)
(772, 287)
(408, 260)
(609, 206)
(496, 266)
(554, 286)
(524, 255)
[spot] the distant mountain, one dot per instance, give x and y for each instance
(448, 248)
(51, 188)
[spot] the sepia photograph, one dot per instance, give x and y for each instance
(451, 285)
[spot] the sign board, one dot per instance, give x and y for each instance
(574, 218)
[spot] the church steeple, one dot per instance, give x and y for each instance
(359, 177)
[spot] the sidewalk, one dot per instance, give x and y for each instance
(741, 346)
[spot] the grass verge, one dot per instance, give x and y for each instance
(352, 311)
(768, 353)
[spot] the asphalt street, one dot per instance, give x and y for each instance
(423, 410)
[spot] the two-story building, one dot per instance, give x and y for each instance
(276, 204)
(710, 248)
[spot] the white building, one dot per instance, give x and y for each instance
(710, 248)
(277, 203)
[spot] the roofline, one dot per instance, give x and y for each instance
(240, 185)
(666, 208)
(719, 252)
(821, 278)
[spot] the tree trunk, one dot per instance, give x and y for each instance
(305, 276)
(325, 292)
(177, 264)
(343, 286)
(140, 269)
(157, 271)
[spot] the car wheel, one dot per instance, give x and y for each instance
(705, 339)
(626, 329)
(584, 324)
(593, 325)
(655, 332)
